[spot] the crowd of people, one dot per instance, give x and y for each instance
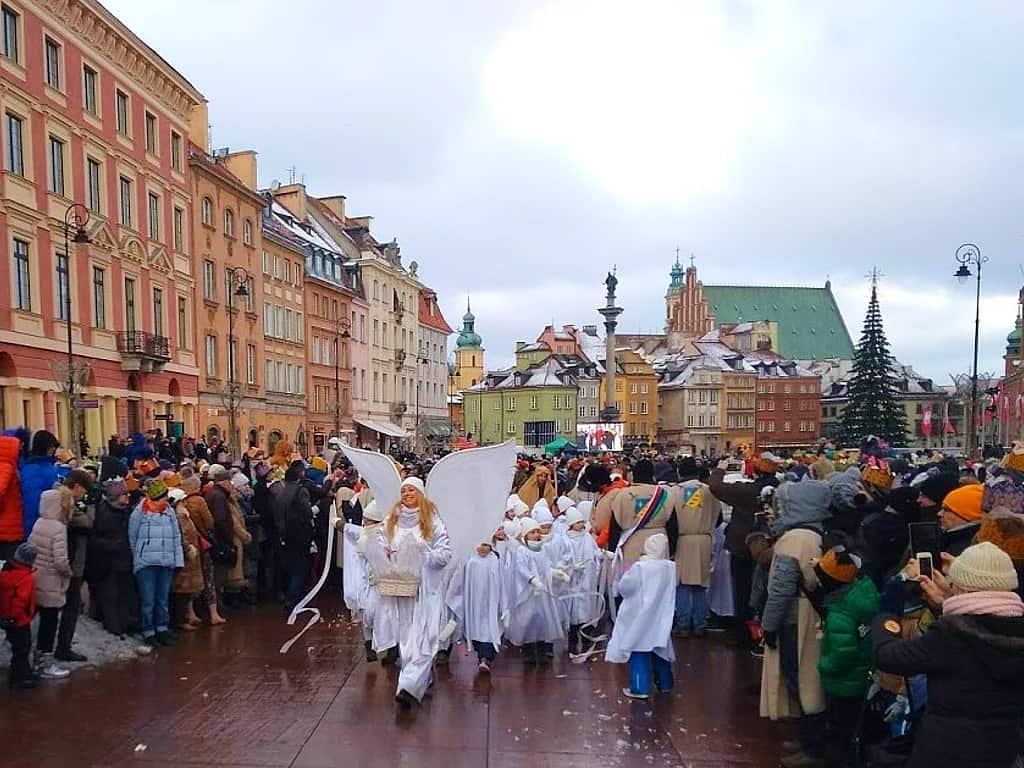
(883, 597)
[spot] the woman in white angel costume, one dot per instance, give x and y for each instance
(431, 530)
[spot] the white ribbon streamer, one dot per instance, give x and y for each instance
(300, 607)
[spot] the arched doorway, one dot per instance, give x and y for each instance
(212, 433)
(254, 438)
(133, 406)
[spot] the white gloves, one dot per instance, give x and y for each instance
(538, 586)
(505, 618)
(447, 631)
(581, 566)
(560, 575)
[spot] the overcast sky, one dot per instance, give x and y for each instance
(518, 150)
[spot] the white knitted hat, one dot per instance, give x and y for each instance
(983, 568)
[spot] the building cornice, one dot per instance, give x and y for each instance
(125, 50)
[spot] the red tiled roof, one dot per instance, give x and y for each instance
(436, 320)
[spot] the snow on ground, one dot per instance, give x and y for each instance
(92, 641)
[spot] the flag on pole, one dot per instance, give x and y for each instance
(947, 425)
(926, 421)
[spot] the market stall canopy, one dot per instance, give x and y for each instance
(383, 427)
(559, 444)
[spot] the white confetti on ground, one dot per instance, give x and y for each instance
(94, 642)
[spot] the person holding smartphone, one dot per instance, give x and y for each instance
(973, 658)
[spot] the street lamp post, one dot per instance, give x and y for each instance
(422, 358)
(341, 326)
(966, 255)
(76, 216)
(238, 278)
(453, 371)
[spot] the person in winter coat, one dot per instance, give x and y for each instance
(293, 519)
(188, 582)
(849, 601)
(960, 517)
(109, 564)
(790, 681)
(697, 513)
(17, 609)
(745, 501)
(973, 658)
(202, 519)
(38, 473)
(12, 523)
(238, 583)
(53, 573)
(654, 506)
(219, 498)
(78, 484)
(156, 548)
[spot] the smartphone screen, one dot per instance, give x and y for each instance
(924, 563)
(925, 537)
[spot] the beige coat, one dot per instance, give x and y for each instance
(236, 576)
(776, 702)
(601, 512)
(188, 580)
(530, 492)
(626, 504)
(50, 538)
(696, 520)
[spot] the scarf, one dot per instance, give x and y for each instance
(648, 513)
(984, 603)
(154, 507)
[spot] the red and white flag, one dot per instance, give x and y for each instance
(926, 421)
(947, 425)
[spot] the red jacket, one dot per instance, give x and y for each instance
(18, 593)
(12, 514)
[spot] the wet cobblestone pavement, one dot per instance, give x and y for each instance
(225, 697)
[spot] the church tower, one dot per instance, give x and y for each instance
(469, 353)
(687, 315)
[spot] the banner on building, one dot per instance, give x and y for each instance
(947, 425)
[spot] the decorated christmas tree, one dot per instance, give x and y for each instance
(872, 406)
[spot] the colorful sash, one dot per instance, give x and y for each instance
(645, 515)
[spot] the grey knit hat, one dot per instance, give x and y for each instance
(25, 553)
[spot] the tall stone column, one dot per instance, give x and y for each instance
(610, 313)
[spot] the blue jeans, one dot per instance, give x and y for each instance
(154, 597)
(691, 607)
(640, 669)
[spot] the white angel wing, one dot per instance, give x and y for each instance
(470, 489)
(379, 471)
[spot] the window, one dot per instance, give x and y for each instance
(154, 216)
(151, 133)
(511, 403)
(511, 428)
(533, 402)
(786, 404)
(247, 231)
(182, 323)
(785, 426)
(250, 363)
(129, 305)
(125, 187)
(15, 148)
(63, 289)
(179, 228)
(633, 409)
(634, 388)
(209, 283)
(250, 297)
(583, 411)
(268, 319)
(643, 408)
(556, 402)
(92, 184)
(760, 426)
(771, 405)
(123, 113)
(266, 263)
(12, 39)
(211, 356)
(229, 222)
(176, 151)
(497, 405)
(56, 166)
(207, 211)
(158, 311)
(89, 89)
(99, 297)
(52, 61)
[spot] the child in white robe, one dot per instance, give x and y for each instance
(476, 600)
(583, 603)
(642, 635)
(562, 506)
(367, 598)
(534, 619)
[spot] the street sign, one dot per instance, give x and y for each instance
(164, 417)
(86, 404)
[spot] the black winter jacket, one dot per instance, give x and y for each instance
(293, 517)
(975, 671)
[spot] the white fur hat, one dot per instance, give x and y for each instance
(572, 517)
(416, 483)
(564, 504)
(511, 528)
(517, 505)
(526, 525)
(543, 516)
(542, 503)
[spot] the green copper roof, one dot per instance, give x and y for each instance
(678, 277)
(810, 324)
(1013, 340)
(468, 337)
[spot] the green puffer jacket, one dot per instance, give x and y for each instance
(845, 659)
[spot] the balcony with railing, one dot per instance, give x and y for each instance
(399, 358)
(142, 351)
(399, 407)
